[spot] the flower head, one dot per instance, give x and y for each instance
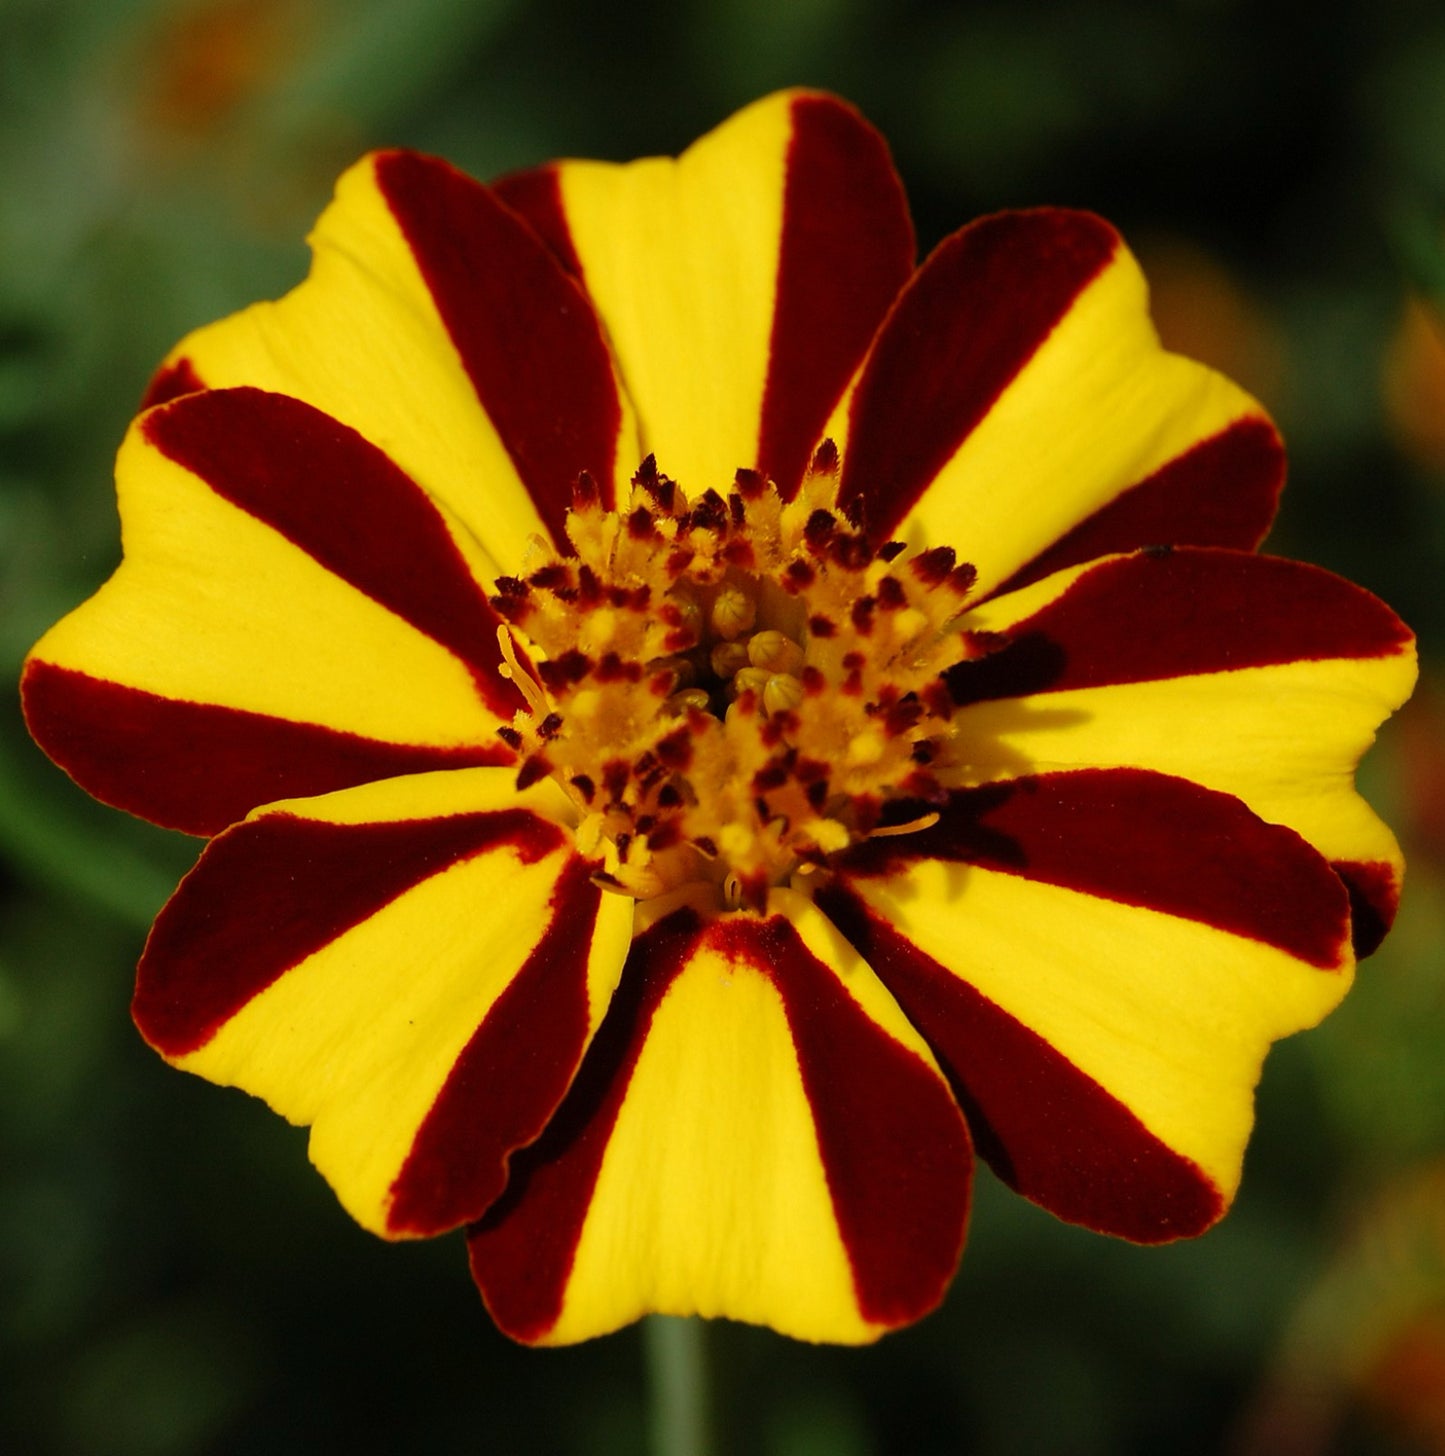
(704, 724)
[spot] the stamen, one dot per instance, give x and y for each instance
(730, 687)
(733, 612)
(728, 657)
(775, 652)
(781, 693)
(527, 685)
(924, 821)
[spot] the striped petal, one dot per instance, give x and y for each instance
(757, 1133)
(435, 322)
(1100, 982)
(1017, 405)
(740, 284)
(1251, 675)
(293, 615)
(413, 967)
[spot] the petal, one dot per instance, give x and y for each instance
(259, 641)
(757, 1133)
(412, 967)
(435, 323)
(1255, 676)
(1018, 389)
(1222, 492)
(1100, 961)
(741, 283)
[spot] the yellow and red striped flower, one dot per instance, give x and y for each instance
(673, 871)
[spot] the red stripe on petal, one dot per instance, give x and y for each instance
(1223, 492)
(510, 1076)
(973, 316)
(895, 1151)
(536, 197)
(1139, 838)
(846, 249)
(331, 492)
(1164, 614)
(1044, 1127)
(526, 333)
(1374, 891)
(268, 893)
(522, 1250)
(170, 382)
(198, 767)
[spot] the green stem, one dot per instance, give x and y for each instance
(676, 1355)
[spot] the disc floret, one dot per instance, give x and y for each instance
(730, 688)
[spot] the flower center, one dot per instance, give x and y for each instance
(731, 689)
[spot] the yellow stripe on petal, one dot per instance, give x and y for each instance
(212, 606)
(712, 1198)
(758, 1134)
(364, 340)
(1017, 387)
(340, 957)
(1256, 676)
(681, 259)
(1098, 407)
(1286, 739)
(1169, 1016)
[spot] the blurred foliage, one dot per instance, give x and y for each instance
(173, 1278)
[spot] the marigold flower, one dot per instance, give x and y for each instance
(705, 723)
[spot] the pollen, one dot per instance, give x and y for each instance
(733, 688)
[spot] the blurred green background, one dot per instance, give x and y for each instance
(173, 1277)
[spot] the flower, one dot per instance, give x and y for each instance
(704, 724)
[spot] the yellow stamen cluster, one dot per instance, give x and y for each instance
(730, 688)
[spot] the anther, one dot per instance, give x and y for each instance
(775, 652)
(733, 612)
(679, 671)
(749, 679)
(825, 458)
(914, 826)
(727, 657)
(688, 698)
(584, 491)
(781, 693)
(750, 483)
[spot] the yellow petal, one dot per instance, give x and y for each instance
(1168, 1016)
(758, 1134)
(438, 326)
(1250, 675)
(1019, 387)
(251, 644)
(740, 283)
(413, 968)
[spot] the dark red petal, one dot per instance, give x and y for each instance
(973, 316)
(896, 1153)
(1374, 891)
(526, 333)
(1223, 492)
(270, 892)
(1169, 614)
(510, 1076)
(334, 494)
(1043, 1126)
(1139, 838)
(846, 249)
(536, 196)
(170, 382)
(522, 1250)
(198, 767)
